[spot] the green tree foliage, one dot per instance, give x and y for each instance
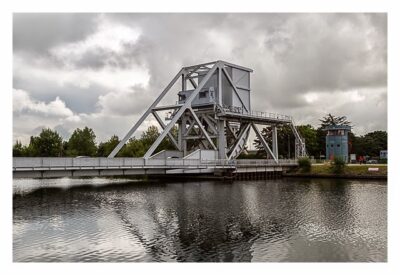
(311, 136)
(82, 143)
(370, 144)
(286, 140)
(149, 136)
(138, 147)
(47, 144)
(133, 148)
(105, 148)
(19, 150)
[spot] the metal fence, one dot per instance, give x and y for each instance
(51, 163)
(22, 163)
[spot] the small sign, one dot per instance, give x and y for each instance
(373, 169)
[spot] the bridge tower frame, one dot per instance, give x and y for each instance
(207, 123)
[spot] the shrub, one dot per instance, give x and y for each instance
(338, 165)
(304, 164)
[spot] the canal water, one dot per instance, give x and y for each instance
(113, 220)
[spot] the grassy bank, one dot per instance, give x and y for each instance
(355, 171)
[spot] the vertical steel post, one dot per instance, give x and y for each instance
(220, 85)
(221, 139)
(275, 141)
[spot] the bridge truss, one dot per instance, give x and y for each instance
(207, 122)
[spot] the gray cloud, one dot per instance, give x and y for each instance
(37, 32)
(295, 57)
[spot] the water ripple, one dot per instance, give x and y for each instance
(307, 220)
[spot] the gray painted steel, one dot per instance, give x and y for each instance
(213, 114)
(79, 167)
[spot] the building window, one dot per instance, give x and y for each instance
(203, 94)
(331, 145)
(338, 145)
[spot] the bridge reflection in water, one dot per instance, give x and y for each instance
(306, 220)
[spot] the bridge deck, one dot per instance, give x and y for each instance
(77, 167)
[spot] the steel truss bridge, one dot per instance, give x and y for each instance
(213, 118)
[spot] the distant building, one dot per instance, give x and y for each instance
(383, 154)
(337, 142)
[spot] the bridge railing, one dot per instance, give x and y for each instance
(239, 110)
(98, 163)
(82, 163)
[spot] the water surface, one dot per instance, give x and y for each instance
(295, 220)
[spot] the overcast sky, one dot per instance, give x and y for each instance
(104, 70)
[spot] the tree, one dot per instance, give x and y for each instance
(138, 147)
(321, 140)
(371, 144)
(286, 141)
(19, 150)
(310, 135)
(82, 143)
(105, 148)
(149, 136)
(331, 120)
(133, 148)
(47, 144)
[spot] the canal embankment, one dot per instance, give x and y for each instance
(351, 171)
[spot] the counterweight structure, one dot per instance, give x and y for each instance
(213, 115)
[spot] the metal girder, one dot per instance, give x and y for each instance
(185, 106)
(239, 139)
(219, 86)
(198, 137)
(171, 137)
(209, 123)
(275, 140)
(184, 81)
(144, 116)
(193, 83)
(168, 107)
(202, 129)
(263, 142)
(211, 118)
(236, 66)
(234, 87)
(192, 123)
(229, 127)
(198, 66)
(300, 146)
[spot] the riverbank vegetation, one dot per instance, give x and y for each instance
(356, 170)
(82, 142)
